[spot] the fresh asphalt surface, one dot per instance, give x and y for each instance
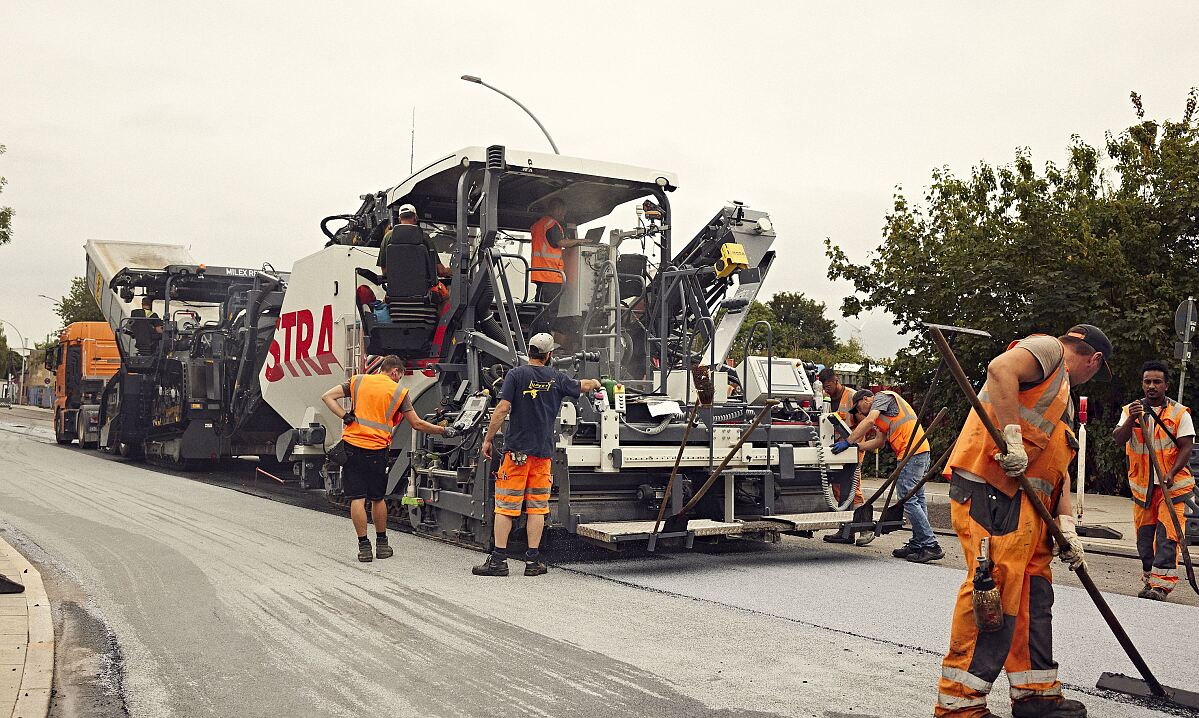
(196, 600)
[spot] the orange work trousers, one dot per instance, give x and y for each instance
(1157, 541)
(526, 484)
(1020, 552)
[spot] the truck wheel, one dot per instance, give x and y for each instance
(59, 434)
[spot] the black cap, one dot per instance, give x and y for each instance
(859, 395)
(1093, 336)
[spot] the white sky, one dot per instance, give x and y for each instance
(233, 127)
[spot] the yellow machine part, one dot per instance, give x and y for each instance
(732, 259)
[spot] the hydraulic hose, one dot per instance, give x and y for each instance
(827, 487)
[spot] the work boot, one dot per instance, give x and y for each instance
(383, 550)
(1144, 592)
(904, 551)
(1048, 708)
(493, 566)
(535, 568)
(865, 538)
(924, 555)
(1156, 594)
(364, 551)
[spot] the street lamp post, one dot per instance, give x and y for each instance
(24, 352)
(479, 81)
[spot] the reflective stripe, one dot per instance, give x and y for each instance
(373, 424)
(955, 703)
(1167, 572)
(1041, 485)
(397, 398)
(1166, 583)
(966, 678)
(1183, 483)
(1020, 678)
(519, 493)
(506, 503)
(537, 493)
(531, 504)
(1022, 693)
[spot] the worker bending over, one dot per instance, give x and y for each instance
(896, 424)
(841, 400)
(377, 406)
(1157, 540)
(529, 398)
(1027, 392)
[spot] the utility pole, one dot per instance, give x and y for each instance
(24, 352)
(412, 145)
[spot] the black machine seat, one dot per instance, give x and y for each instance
(409, 275)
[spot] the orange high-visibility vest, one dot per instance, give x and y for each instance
(545, 255)
(1139, 477)
(844, 404)
(1044, 424)
(376, 399)
(899, 428)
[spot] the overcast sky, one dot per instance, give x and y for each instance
(233, 127)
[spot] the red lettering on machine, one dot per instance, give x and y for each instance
(294, 353)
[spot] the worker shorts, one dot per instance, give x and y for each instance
(365, 474)
(528, 483)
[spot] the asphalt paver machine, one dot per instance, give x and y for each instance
(649, 318)
(187, 391)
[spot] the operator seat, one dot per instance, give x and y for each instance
(409, 276)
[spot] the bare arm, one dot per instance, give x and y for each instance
(875, 441)
(421, 425)
(1005, 373)
(1123, 432)
(497, 420)
(863, 426)
(443, 271)
(1065, 505)
(586, 385)
(330, 398)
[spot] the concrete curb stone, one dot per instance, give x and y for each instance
(26, 641)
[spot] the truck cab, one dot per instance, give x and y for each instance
(83, 359)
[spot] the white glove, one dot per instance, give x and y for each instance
(1073, 553)
(1015, 461)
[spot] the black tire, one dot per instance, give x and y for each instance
(60, 436)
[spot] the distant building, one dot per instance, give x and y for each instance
(859, 376)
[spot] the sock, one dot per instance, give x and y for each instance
(532, 554)
(499, 554)
(364, 540)
(380, 538)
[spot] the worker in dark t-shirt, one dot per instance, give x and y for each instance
(531, 395)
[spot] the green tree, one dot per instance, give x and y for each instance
(78, 304)
(5, 213)
(800, 330)
(1014, 250)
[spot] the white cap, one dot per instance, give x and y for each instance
(543, 343)
(407, 209)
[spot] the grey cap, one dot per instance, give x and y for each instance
(543, 343)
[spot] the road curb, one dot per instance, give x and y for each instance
(37, 677)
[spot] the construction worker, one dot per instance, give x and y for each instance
(377, 406)
(147, 330)
(1157, 541)
(546, 265)
(896, 424)
(529, 398)
(841, 400)
(1028, 394)
(408, 231)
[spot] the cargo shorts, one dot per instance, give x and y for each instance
(528, 483)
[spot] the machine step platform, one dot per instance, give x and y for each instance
(620, 531)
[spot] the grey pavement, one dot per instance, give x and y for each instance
(225, 604)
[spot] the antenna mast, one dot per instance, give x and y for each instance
(412, 143)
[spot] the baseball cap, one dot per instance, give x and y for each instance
(543, 343)
(407, 209)
(859, 395)
(1094, 337)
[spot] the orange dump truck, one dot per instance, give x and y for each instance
(82, 361)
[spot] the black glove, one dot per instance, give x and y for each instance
(449, 432)
(348, 418)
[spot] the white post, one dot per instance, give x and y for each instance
(1081, 480)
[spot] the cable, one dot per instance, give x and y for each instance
(650, 432)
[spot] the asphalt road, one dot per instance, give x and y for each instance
(184, 598)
